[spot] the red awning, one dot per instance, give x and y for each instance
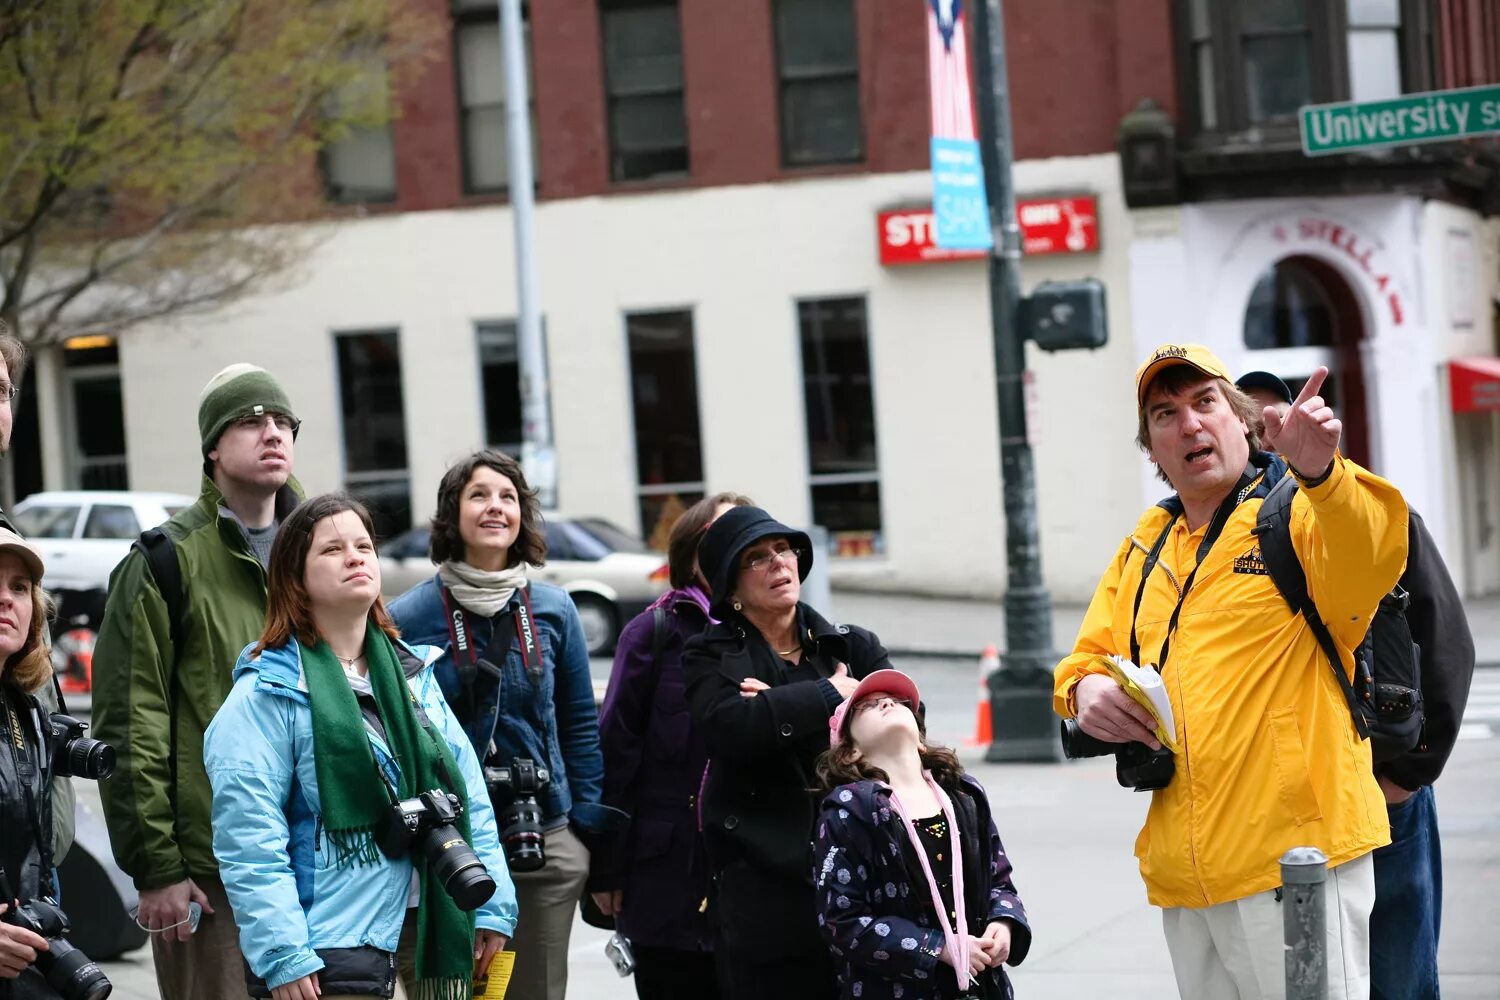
(1474, 384)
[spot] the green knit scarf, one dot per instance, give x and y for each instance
(356, 799)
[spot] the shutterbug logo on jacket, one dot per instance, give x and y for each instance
(1251, 563)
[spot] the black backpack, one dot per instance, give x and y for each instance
(1385, 697)
(161, 560)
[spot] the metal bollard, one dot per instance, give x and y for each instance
(1304, 916)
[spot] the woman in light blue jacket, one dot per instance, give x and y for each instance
(330, 895)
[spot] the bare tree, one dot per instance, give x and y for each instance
(153, 152)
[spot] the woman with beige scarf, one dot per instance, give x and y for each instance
(515, 669)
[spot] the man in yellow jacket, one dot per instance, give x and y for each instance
(1267, 755)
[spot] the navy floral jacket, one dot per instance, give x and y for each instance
(873, 905)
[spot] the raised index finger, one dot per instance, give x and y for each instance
(1314, 383)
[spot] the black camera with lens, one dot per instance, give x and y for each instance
(425, 823)
(1136, 765)
(513, 792)
(67, 970)
(75, 755)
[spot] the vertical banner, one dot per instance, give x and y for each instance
(960, 209)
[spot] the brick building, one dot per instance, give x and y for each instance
(717, 314)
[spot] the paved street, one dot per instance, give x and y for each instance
(1070, 829)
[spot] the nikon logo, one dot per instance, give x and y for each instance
(1251, 563)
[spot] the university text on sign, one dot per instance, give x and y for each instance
(1433, 117)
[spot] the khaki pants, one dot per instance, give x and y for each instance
(207, 964)
(1235, 950)
(547, 899)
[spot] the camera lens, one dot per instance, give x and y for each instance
(71, 973)
(88, 758)
(1078, 744)
(521, 834)
(454, 864)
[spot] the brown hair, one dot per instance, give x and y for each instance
(842, 764)
(13, 353)
(687, 532)
(288, 608)
(30, 667)
(1179, 377)
(447, 544)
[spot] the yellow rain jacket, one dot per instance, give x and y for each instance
(1269, 755)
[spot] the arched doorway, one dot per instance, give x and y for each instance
(1303, 313)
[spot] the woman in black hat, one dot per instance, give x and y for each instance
(762, 684)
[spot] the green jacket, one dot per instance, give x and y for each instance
(152, 705)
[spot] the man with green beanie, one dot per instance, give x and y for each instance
(159, 681)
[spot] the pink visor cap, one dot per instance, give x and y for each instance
(891, 682)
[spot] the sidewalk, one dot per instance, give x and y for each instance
(911, 625)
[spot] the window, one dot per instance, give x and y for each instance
(111, 521)
(482, 97)
(375, 427)
(47, 522)
(817, 66)
(842, 465)
(1250, 64)
(643, 83)
(360, 166)
(1289, 307)
(500, 383)
(664, 390)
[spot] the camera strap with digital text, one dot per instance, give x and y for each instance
(466, 656)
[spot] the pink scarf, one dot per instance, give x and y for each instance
(956, 939)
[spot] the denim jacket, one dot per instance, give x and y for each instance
(550, 719)
(290, 899)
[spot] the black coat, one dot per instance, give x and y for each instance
(1441, 630)
(759, 799)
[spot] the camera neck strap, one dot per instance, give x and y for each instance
(29, 770)
(1249, 482)
(466, 655)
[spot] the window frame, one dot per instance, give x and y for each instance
(611, 99)
(461, 17)
(693, 488)
(340, 195)
(784, 82)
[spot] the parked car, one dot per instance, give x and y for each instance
(83, 534)
(609, 573)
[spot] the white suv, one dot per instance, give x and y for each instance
(83, 534)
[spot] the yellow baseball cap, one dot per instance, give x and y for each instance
(1170, 355)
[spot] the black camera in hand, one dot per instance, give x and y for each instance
(67, 970)
(75, 755)
(1136, 765)
(513, 792)
(426, 823)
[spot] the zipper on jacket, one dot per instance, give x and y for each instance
(318, 832)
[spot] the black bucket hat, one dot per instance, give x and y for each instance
(733, 533)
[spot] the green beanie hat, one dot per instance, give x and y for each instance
(240, 390)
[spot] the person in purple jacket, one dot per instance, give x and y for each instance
(914, 889)
(653, 878)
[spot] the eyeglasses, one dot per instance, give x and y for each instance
(9, 392)
(763, 561)
(870, 701)
(284, 423)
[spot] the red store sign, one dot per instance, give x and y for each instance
(1048, 226)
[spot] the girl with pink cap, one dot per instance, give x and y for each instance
(914, 887)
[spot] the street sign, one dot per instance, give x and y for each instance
(1062, 225)
(1438, 116)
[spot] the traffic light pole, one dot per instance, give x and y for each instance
(1021, 690)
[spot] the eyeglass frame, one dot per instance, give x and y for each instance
(760, 564)
(258, 420)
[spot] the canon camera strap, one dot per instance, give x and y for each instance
(466, 656)
(1250, 484)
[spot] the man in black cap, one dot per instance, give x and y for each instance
(762, 684)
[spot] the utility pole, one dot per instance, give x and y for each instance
(1021, 690)
(538, 458)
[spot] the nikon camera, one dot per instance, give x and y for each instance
(1137, 766)
(426, 823)
(67, 970)
(75, 755)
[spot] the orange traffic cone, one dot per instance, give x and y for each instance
(989, 662)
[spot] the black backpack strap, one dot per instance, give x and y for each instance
(161, 559)
(1273, 527)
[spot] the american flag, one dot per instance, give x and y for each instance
(948, 71)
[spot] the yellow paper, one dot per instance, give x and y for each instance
(1145, 688)
(493, 985)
